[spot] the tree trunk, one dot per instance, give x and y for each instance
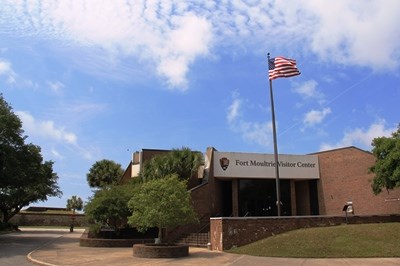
(4, 218)
(160, 239)
(7, 214)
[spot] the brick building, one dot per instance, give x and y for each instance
(315, 184)
(232, 184)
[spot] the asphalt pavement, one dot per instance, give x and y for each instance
(65, 250)
(15, 245)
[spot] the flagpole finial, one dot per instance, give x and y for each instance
(268, 55)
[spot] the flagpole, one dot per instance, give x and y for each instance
(278, 190)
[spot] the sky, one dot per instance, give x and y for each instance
(96, 79)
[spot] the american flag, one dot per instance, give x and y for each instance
(280, 67)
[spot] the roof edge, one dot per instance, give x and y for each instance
(343, 148)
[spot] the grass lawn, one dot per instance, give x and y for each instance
(343, 241)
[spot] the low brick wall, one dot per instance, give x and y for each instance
(84, 241)
(46, 219)
(160, 251)
(228, 232)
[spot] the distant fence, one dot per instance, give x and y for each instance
(49, 219)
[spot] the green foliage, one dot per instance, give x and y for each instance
(104, 173)
(387, 165)
(94, 230)
(75, 204)
(24, 176)
(109, 206)
(161, 203)
(182, 162)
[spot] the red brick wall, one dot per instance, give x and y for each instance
(200, 199)
(345, 176)
(216, 234)
(126, 177)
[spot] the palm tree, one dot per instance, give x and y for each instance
(182, 162)
(75, 204)
(104, 173)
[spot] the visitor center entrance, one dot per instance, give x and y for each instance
(247, 184)
(258, 197)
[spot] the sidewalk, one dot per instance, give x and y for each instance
(65, 250)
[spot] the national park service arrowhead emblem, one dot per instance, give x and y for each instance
(224, 162)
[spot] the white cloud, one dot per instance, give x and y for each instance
(6, 70)
(86, 108)
(363, 33)
(56, 154)
(163, 33)
(314, 117)
(171, 35)
(45, 129)
(56, 86)
(49, 132)
(361, 137)
(12, 78)
(190, 37)
(360, 33)
(233, 110)
(308, 90)
(254, 132)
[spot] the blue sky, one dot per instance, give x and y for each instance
(96, 80)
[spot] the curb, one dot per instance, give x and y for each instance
(29, 256)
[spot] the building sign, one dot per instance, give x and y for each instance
(255, 165)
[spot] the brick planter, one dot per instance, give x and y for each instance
(160, 251)
(85, 241)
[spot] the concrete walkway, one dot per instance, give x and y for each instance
(65, 250)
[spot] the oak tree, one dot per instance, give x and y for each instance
(161, 203)
(25, 177)
(109, 206)
(387, 165)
